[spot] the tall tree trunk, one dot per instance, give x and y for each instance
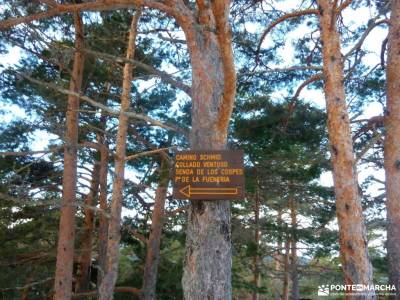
(352, 232)
(66, 239)
(148, 291)
(392, 148)
(103, 220)
(256, 258)
(207, 270)
(85, 259)
(285, 289)
(114, 235)
(278, 257)
(293, 271)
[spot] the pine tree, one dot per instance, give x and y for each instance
(392, 149)
(65, 250)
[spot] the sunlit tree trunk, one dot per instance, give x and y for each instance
(392, 148)
(352, 232)
(148, 291)
(85, 259)
(114, 235)
(66, 239)
(207, 270)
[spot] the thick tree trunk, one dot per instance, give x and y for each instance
(103, 220)
(256, 258)
(293, 255)
(148, 291)
(65, 249)
(392, 148)
(352, 232)
(285, 289)
(85, 259)
(207, 270)
(114, 235)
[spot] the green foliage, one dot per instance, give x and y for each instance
(284, 139)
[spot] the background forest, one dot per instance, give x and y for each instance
(97, 96)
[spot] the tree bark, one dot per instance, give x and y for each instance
(256, 258)
(293, 256)
(85, 259)
(285, 290)
(278, 257)
(148, 291)
(352, 232)
(392, 148)
(103, 220)
(114, 235)
(207, 269)
(66, 239)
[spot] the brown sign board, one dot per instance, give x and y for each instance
(208, 175)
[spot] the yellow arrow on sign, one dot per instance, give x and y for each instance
(188, 191)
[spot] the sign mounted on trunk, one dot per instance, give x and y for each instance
(208, 175)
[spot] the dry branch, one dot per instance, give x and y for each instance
(51, 150)
(282, 70)
(27, 153)
(118, 289)
(28, 285)
(150, 152)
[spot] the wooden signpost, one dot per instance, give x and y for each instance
(208, 175)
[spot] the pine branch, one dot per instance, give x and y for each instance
(310, 80)
(165, 77)
(28, 285)
(281, 19)
(103, 107)
(51, 150)
(52, 203)
(50, 3)
(358, 45)
(176, 211)
(283, 70)
(383, 50)
(368, 146)
(372, 124)
(177, 10)
(136, 234)
(344, 5)
(150, 152)
(27, 153)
